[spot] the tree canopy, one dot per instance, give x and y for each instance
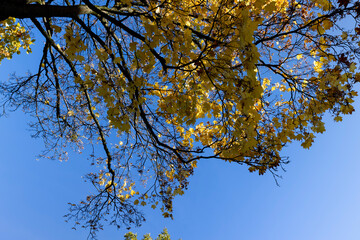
(151, 87)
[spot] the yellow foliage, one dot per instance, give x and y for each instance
(177, 82)
(13, 37)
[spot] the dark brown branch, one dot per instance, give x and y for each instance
(12, 9)
(90, 108)
(35, 11)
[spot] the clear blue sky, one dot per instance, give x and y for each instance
(318, 197)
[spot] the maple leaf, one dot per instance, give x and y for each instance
(357, 30)
(343, 59)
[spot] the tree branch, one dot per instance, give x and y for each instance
(35, 11)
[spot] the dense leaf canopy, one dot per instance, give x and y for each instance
(160, 85)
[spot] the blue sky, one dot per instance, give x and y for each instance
(318, 197)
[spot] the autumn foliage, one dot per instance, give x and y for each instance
(161, 85)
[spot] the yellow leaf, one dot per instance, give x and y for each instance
(132, 46)
(338, 119)
(327, 24)
(344, 35)
(352, 67)
(57, 29)
(320, 30)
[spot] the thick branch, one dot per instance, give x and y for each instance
(35, 11)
